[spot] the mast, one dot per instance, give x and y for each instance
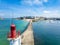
(13, 36)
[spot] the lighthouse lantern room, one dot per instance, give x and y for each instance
(13, 36)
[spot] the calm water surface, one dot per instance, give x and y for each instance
(5, 28)
(46, 32)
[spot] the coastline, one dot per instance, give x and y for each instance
(27, 37)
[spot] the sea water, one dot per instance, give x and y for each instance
(21, 25)
(46, 32)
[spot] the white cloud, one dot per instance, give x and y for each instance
(51, 13)
(46, 11)
(34, 2)
(45, 0)
(5, 14)
(37, 2)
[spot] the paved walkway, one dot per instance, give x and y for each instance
(27, 37)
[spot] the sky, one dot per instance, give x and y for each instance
(17, 8)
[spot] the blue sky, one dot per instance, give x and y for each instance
(17, 8)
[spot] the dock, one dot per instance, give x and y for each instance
(27, 37)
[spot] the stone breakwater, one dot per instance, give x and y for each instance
(27, 37)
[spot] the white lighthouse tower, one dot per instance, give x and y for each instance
(13, 36)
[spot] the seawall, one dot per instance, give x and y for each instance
(27, 37)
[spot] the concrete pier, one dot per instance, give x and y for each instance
(27, 37)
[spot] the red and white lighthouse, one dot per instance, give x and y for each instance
(13, 36)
